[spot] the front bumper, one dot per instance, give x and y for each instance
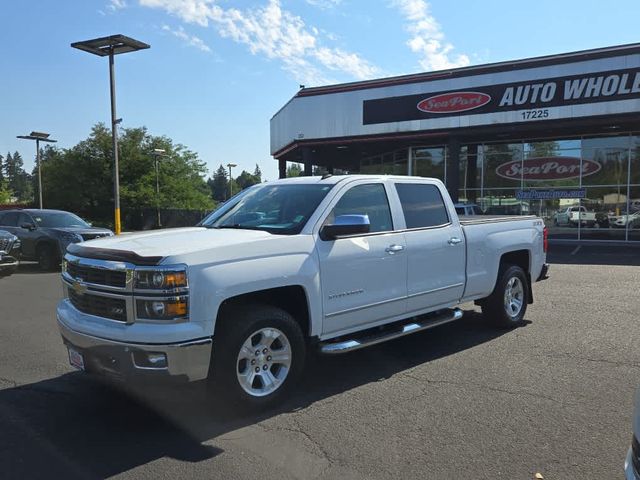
(185, 361)
(8, 265)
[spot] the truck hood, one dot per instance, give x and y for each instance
(177, 241)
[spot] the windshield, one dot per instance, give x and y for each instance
(280, 209)
(59, 220)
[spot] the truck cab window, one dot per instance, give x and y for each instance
(422, 205)
(371, 200)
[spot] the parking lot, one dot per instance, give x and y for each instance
(460, 401)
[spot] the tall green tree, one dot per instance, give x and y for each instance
(219, 184)
(294, 170)
(258, 173)
(80, 179)
(245, 179)
(18, 181)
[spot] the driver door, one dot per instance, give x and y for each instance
(364, 276)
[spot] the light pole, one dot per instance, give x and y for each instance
(157, 153)
(111, 46)
(231, 179)
(38, 137)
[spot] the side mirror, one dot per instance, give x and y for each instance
(28, 226)
(345, 225)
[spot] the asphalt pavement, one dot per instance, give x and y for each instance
(463, 400)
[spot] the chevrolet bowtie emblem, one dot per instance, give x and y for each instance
(78, 286)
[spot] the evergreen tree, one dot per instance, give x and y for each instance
(219, 184)
(18, 181)
(257, 173)
(294, 170)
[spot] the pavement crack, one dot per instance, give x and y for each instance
(480, 386)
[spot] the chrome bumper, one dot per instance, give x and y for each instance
(186, 361)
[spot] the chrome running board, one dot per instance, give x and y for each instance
(432, 320)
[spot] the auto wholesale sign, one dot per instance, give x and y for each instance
(527, 95)
(547, 168)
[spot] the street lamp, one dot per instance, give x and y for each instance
(38, 137)
(111, 46)
(231, 179)
(157, 153)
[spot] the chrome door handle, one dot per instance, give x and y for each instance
(391, 249)
(454, 241)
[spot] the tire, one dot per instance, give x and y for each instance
(507, 304)
(268, 330)
(47, 258)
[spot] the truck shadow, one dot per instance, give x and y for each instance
(74, 426)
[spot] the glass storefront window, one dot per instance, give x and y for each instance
(603, 209)
(429, 162)
(502, 165)
(633, 220)
(551, 167)
(635, 160)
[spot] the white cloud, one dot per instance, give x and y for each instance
(115, 5)
(190, 40)
(274, 33)
(427, 38)
(324, 4)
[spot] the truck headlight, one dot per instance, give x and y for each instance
(161, 279)
(162, 308)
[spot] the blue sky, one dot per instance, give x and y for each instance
(218, 70)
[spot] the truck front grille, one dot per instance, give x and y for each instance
(97, 276)
(100, 306)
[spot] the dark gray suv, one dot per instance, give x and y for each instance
(45, 234)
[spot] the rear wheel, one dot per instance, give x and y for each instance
(507, 304)
(259, 353)
(47, 258)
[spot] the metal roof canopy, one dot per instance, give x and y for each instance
(115, 44)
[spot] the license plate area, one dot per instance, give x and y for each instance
(76, 359)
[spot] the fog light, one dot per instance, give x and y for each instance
(150, 359)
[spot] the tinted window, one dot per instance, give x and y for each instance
(422, 205)
(58, 220)
(370, 200)
(460, 210)
(10, 219)
(23, 218)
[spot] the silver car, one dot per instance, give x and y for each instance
(9, 248)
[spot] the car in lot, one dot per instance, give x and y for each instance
(467, 209)
(9, 250)
(632, 221)
(45, 234)
(332, 263)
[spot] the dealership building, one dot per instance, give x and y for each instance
(534, 136)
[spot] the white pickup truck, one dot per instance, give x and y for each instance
(333, 263)
(574, 216)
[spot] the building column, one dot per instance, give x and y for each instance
(453, 168)
(306, 160)
(282, 168)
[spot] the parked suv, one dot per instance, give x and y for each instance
(9, 248)
(45, 234)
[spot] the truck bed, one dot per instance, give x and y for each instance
(477, 219)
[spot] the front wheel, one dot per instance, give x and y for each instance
(507, 304)
(259, 353)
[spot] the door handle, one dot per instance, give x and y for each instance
(454, 241)
(391, 249)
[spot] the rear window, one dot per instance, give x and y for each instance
(422, 205)
(9, 219)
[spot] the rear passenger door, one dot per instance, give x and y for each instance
(435, 247)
